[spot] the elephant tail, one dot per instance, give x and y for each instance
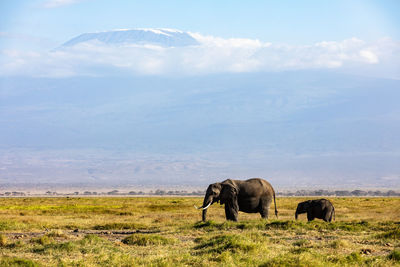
(276, 211)
(334, 214)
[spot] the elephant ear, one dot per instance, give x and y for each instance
(229, 196)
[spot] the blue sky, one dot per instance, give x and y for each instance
(293, 22)
(356, 37)
(302, 89)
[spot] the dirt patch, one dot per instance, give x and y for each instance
(112, 235)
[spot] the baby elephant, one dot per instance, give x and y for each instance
(318, 208)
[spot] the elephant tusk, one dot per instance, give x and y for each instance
(207, 206)
(203, 208)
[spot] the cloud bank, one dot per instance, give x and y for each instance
(213, 55)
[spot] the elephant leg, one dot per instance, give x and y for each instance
(264, 208)
(328, 217)
(310, 217)
(231, 214)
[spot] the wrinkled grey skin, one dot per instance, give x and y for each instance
(252, 196)
(318, 208)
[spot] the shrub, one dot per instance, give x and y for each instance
(283, 225)
(11, 225)
(146, 240)
(339, 244)
(3, 240)
(394, 234)
(228, 225)
(301, 243)
(67, 246)
(93, 244)
(17, 262)
(206, 224)
(294, 259)
(16, 244)
(43, 240)
(351, 226)
(299, 250)
(354, 257)
(57, 233)
(394, 255)
(222, 243)
(91, 239)
(118, 226)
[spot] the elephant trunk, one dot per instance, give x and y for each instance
(208, 200)
(204, 215)
(297, 213)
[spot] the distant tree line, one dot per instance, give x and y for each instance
(339, 193)
(15, 194)
(160, 192)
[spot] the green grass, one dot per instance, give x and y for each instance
(394, 255)
(225, 242)
(147, 240)
(119, 226)
(42, 240)
(391, 234)
(139, 231)
(3, 240)
(17, 262)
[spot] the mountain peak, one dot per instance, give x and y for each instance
(141, 36)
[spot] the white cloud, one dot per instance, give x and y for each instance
(59, 3)
(369, 56)
(213, 55)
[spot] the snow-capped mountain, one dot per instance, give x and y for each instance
(161, 37)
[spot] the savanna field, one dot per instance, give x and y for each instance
(167, 231)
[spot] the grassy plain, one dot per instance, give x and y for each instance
(157, 231)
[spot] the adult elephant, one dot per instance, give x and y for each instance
(252, 196)
(317, 208)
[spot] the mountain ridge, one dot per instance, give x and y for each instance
(156, 36)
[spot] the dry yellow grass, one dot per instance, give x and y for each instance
(168, 232)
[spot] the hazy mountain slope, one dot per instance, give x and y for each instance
(286, 125)
(88, 112)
